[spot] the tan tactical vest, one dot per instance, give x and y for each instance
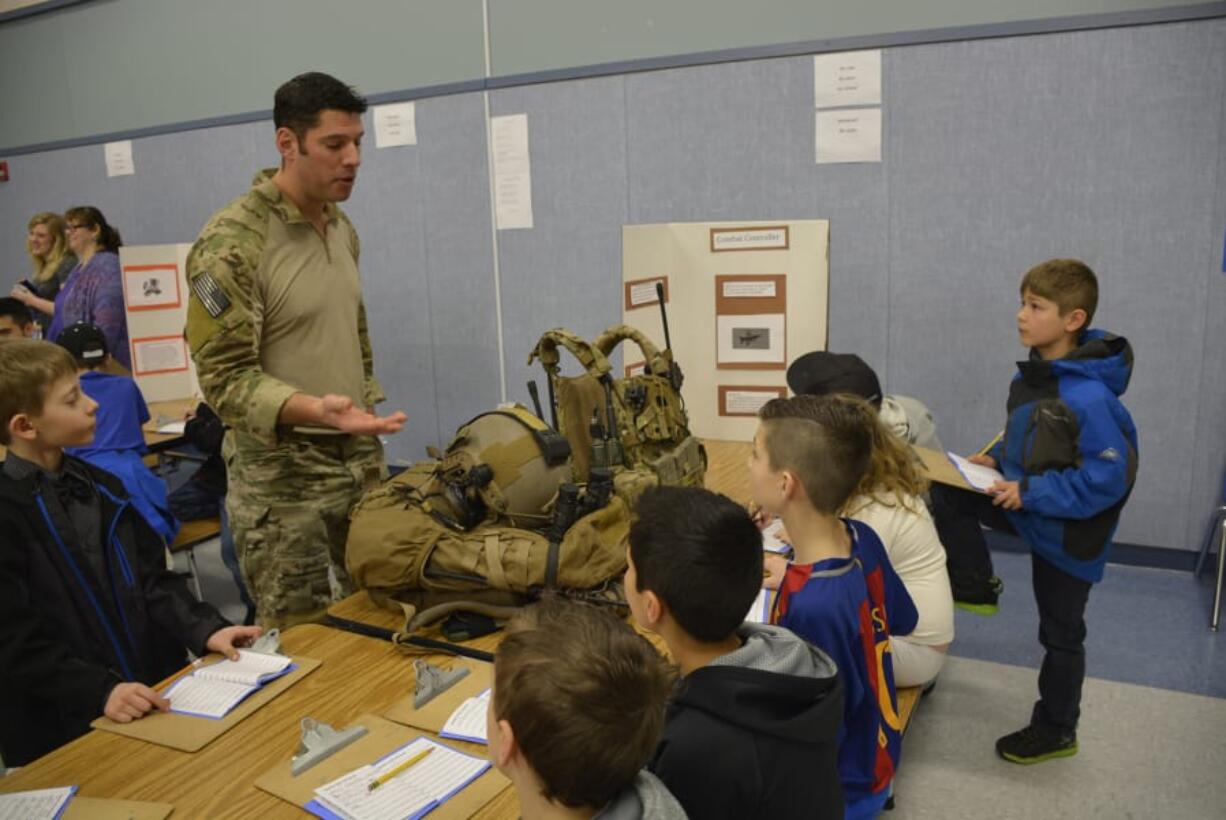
(649, 428)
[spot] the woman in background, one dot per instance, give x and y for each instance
(52, 262)
(94, 290)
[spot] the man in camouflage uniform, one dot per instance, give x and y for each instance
(277, 329)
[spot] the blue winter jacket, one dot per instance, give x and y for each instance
(1072, 446)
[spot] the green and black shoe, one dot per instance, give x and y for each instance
(1037, 743)
(981, 601)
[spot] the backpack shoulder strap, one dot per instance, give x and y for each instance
(588, 355)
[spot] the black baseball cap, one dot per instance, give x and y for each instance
(822, 372)
(84, 341)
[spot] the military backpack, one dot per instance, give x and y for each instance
(489, 524)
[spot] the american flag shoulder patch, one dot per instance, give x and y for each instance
(210, 294)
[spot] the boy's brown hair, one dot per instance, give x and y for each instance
(28, 369)
(1068, 282)
(823, 440)
(585, 697)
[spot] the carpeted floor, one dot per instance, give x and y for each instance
(1144, 752)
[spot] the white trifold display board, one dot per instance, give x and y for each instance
(744, 300)
(155, 298)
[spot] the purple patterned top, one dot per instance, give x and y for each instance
(93, 293)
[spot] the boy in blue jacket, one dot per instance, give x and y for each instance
(1069, 459)
(118, 445)
(90, 618)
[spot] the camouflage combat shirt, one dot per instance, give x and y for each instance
(276, 309)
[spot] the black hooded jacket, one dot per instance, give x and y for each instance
(754, 734)
(68, 633)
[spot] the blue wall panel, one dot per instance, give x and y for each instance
(565, 271)
(736, 141)
(997, 154)
(1083, 161)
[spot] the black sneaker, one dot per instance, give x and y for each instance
(1036, 743)
(981, 601)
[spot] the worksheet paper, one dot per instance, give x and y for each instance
(467, 722)
(212, 691)
(977, 475)
(41, 804)
(410, 794)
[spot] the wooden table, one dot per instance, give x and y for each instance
(164, 412)
(357, 675)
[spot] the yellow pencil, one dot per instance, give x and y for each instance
(991, 443)
(383, 778)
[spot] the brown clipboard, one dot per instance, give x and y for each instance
(938, 468)
(188, 733)
(99, 808)
(434, 714)
(382, 736)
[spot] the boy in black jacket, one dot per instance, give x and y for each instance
(89, 615)
(752, 730)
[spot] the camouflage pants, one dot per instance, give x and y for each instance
(289, 513)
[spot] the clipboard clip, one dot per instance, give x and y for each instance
(433, 680)
(319, 740)
(267, 644)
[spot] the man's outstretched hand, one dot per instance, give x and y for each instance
(340, 412)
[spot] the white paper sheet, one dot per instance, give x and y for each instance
(39, 804)
(644, 293)
(512, 172)
(250, 669)
(770, 537)
(159, 355)
(750, 339)
(977, 475)
(847, 78)
(760, 610)
(146, 287)
(849, 135)
(749, 289)
(467, 722)
(395, 124)
(740, 402)
(119, 159)
(173, 428)
(205, 698)
(428, 782)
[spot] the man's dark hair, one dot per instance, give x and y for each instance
(11, 307)
(299, 101)
(701, 554)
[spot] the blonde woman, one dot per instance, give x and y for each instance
(889, 499)
(51, 260)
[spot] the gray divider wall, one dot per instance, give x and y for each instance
(1109, 145)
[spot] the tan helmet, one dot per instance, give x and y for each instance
(506, 462)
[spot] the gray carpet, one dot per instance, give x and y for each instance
(1144, 753)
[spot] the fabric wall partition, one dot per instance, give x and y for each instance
(1109, 145)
